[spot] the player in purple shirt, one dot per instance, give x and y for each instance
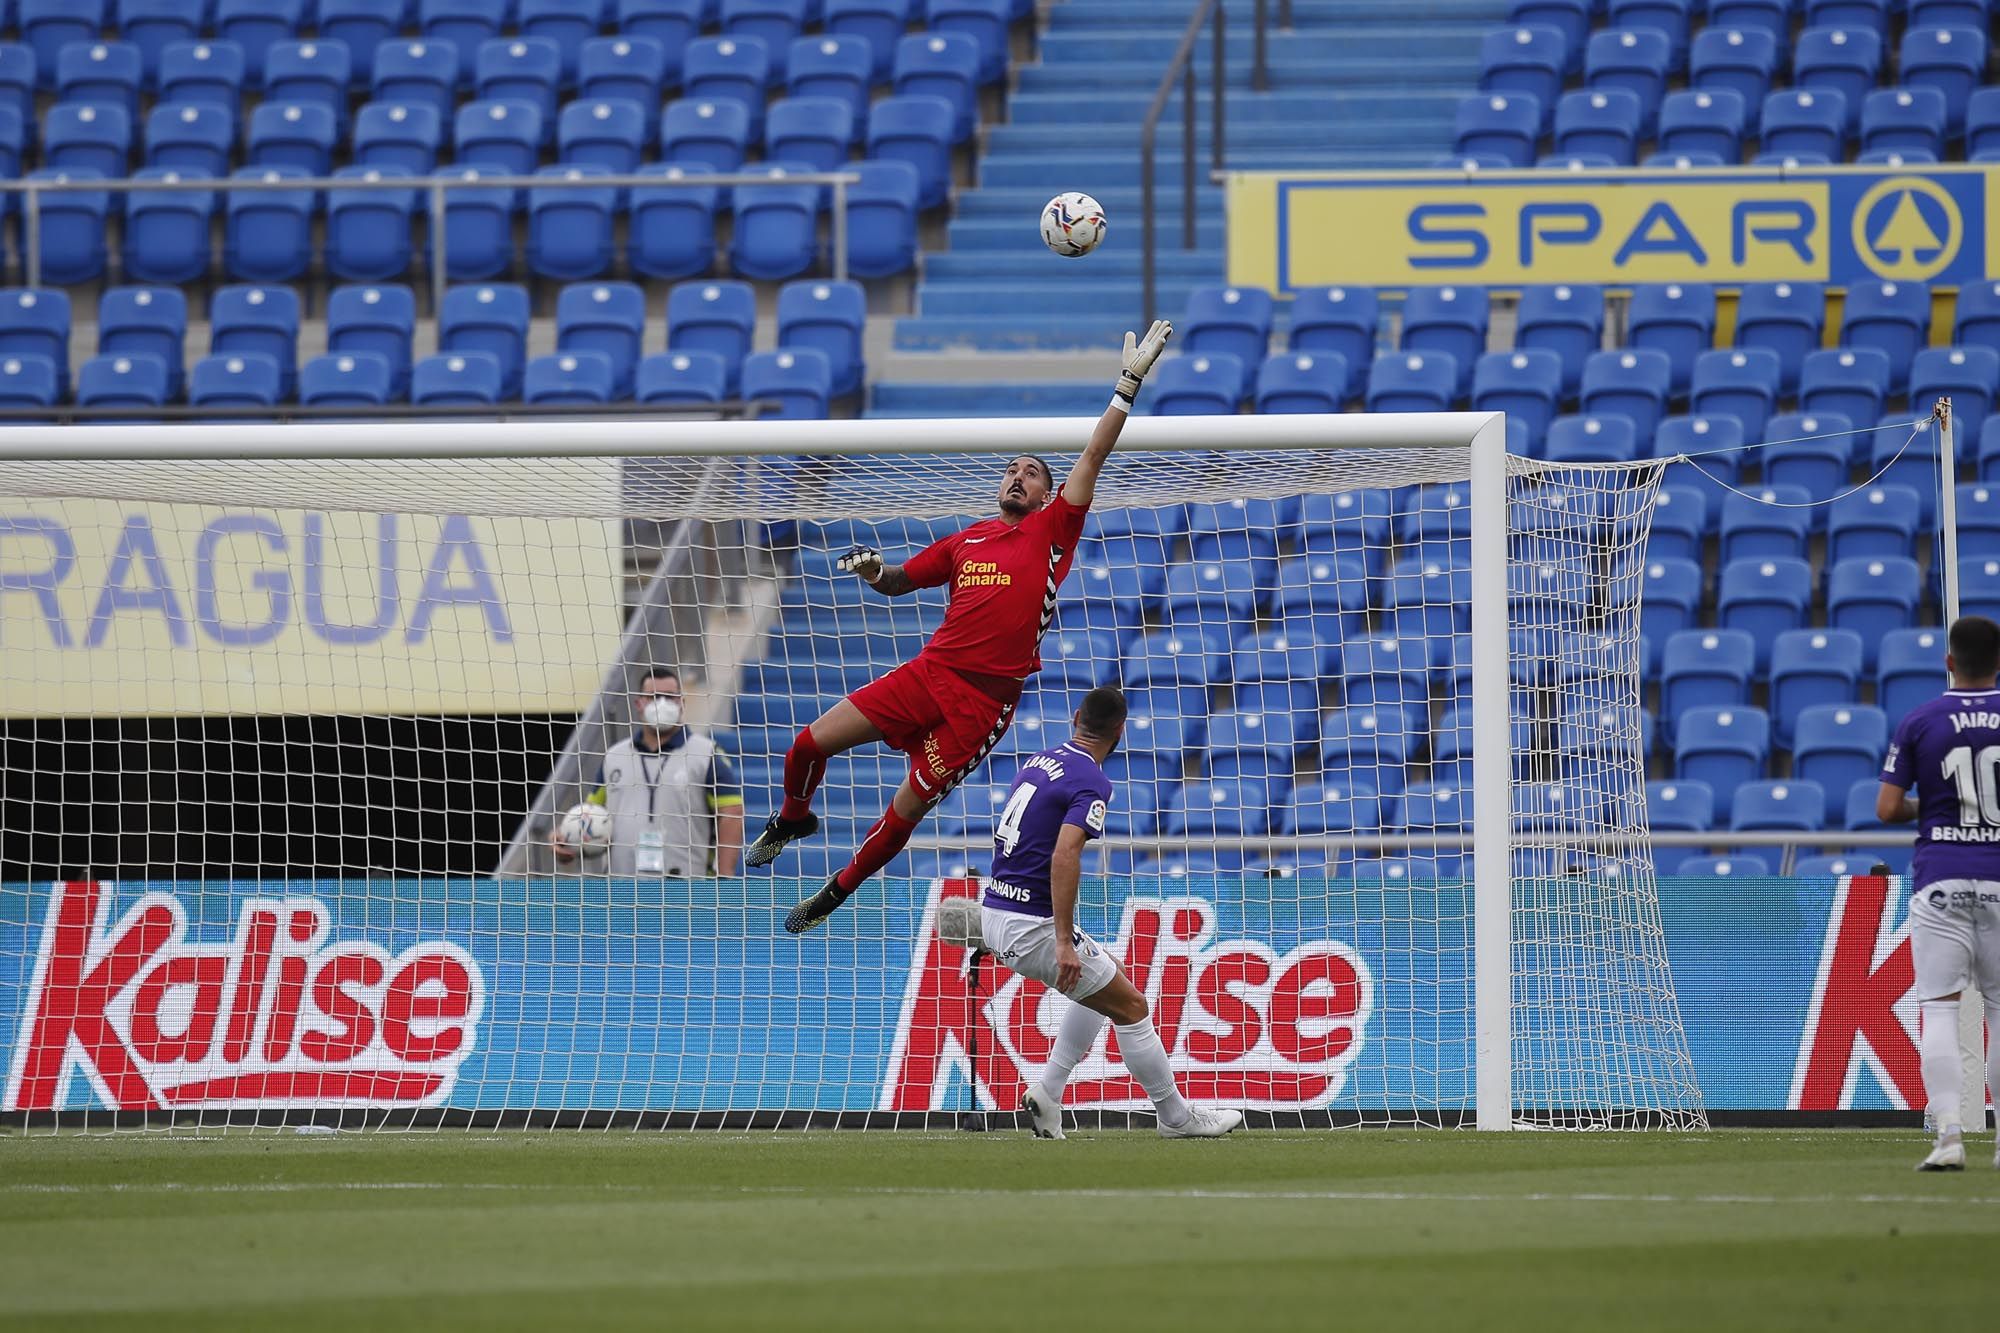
(1949, 750)
(1057, 804)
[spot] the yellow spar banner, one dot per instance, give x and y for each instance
(1508, 229)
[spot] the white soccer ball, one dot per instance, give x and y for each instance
(587, 828)
(1072, 225)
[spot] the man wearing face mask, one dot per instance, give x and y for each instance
(675, 800)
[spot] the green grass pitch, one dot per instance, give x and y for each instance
(1348, 1230)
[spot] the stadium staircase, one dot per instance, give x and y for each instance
(1355, 84)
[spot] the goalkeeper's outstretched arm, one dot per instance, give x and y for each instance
(1140, 353)
(865, 563)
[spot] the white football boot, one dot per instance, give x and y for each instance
(1948, 1155)
(1206, 1122)
(1044, 1116)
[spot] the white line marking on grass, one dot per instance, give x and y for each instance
(1413, 1196)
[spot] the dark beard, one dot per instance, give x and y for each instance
(1014, 508)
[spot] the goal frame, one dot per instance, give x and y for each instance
(1482, 434)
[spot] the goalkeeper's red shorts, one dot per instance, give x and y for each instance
(945, 723)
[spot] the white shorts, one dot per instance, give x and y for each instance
(1027, 945)
(1955, 937)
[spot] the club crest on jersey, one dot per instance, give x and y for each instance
(1242, 1023)
(276, 1015)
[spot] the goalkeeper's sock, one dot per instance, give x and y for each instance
(1079, 1032)
(889, 836)
(1993, 1052)
(1938, 1045)
(1139, 1043)
(805, 765)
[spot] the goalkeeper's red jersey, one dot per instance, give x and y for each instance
(1003, 580)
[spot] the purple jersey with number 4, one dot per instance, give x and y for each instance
(1949, 751)
(1056, 787)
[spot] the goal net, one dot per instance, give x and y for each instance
(283, 740)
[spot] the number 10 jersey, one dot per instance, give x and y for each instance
(1948, 750)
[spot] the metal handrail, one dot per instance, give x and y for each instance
(433, 187)
(1181, 67)
(282, 412)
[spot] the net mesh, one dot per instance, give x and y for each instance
(285, 743)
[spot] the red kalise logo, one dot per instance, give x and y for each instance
(1863, 1012)
(1244, 1024)
(276, 1016)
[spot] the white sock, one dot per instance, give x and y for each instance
(1993, 1051)
(1938, 1045)
(1074, 1039)
(1147, 1059)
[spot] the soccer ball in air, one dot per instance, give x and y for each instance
(587, 828)
(1072, 225)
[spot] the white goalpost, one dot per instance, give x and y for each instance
(287, 715)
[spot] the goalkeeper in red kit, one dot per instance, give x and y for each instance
(949, 706)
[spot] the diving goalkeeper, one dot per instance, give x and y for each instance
(950, 705)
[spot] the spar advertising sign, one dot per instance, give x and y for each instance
(569, 994)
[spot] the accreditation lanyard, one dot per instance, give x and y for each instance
(653, 777)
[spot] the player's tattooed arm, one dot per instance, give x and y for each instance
(893, 582)
(865, 563)
(1894, 805)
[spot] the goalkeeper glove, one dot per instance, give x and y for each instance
(1140, 354)
(864, 562)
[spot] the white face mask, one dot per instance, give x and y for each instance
(662, 714)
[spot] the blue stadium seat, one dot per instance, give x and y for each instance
(571, 223)
(1785, 318)
(1073, 662)
(1243, 744)
(151, 26)
(455, 379)
(1680, 524)
(132, 380)
(1810, 667)
(942, 65)
(1989, 449)
(567, 24)
(1838, 745)
(1634, 60)
(1235, 808)
(1765, 597)
(82, 137)
(375, 320)
(1633, 383)
(1905, 453)
(625, 67)
(1951, 60)
(166, 232)
(190, 137)
(829, 316)
(1350, 521)
(1592, 439)
(1969, 375)
(681, 377)
(1979, 587)
(776, 232)
(1339, 319)
(775, 23)
(840, 67)
(1803, 124)
(520, 69)
(712, 134)
(1787, 805)
(1949, 13)
(1428, 599)
(254, 320)
(1677, 318)
(1671, 17)
(1978, 518)
(1210, 591)
(27, 381)
(1699, 667)
(1236, 320)
(1197, 385)
(236, 379)
(1566, 319)
(1678, 807)
(500, 137)
(1816, 466)
(104, 73)
(368, 230)
(73, 231)
(292, 134)
(490, 319)
(882, 218)
(607, 317)
(1843, 60)
(268, 234)
(1412, 382)
(1904, 120)
(1527, 58)
(47, 26)
(1976, 321)
(1724, 747)
(464, 25)
(609, 133)
(798, 379)
(362, 26)
(1767, 522)
(987, 22)
(567, 377)
(417, 72)
(1600, 126)
(671, 229)
(478, 226)
(310, 71)
(1383, 672)
(1336, 807)
(1703, 120)
(1525, 384)
(398, 135)
(1737, 866)
(1909, 670)
(1571, 18)
(1982, 125)
(1818, 867)
(17, 85)
(1290, 382)
(35, 325)
(1847, 382)
(1870, 14)
(812, 132)
(1279, 670)
(1740, 59)
(1500, 126)
(255, 26)
(145, 322)
(1873, 595)
(345, 379)
(671, 23)
(1879, 521)
(1740, 383)
(728, 69)
(713, 317)
(1323, 597)
(881, 23)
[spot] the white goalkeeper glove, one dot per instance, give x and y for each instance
(1140, 354)
(864, 562)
